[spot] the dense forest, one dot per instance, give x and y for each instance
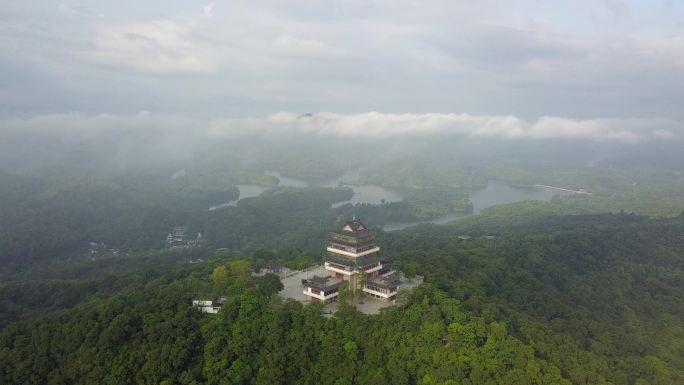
(135, 216)
(576, 290)
(148, 334)
(509, 299)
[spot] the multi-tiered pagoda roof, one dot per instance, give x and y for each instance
(353, 255)
(353, 240)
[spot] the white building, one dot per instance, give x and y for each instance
(209, 307)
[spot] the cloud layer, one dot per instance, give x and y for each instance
(176, 129)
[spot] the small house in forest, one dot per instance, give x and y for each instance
(209, 307)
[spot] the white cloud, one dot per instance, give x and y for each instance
(363, 125)
(375, 124)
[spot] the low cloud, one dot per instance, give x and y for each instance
(362, 125)
(375, 124)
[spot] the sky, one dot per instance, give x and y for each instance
(601, 69)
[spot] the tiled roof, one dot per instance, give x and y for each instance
(354, 226)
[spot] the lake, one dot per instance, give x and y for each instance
(246, 191)
(498, 192)
(362, 193)
(495, 193)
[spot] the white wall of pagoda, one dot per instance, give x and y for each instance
(351, 254)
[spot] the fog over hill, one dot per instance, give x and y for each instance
(145, 139)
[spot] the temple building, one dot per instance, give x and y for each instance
(324, 289)
(383, 288)
(178, 238)
(353, 255)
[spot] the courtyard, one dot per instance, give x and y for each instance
(292, 282)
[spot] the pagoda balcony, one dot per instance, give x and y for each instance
(349, 270)
(352, 249)
(372, 268)
(352, 254)
(337, 268)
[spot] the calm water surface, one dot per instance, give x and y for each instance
(362, 193)
(246, 191)
(495, 193)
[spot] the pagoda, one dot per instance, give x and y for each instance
(353, 255)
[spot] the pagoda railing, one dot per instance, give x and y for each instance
(339, 266)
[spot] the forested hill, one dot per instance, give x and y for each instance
(132, 216)
(149, 335)
(533, 299)
(601, 296)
